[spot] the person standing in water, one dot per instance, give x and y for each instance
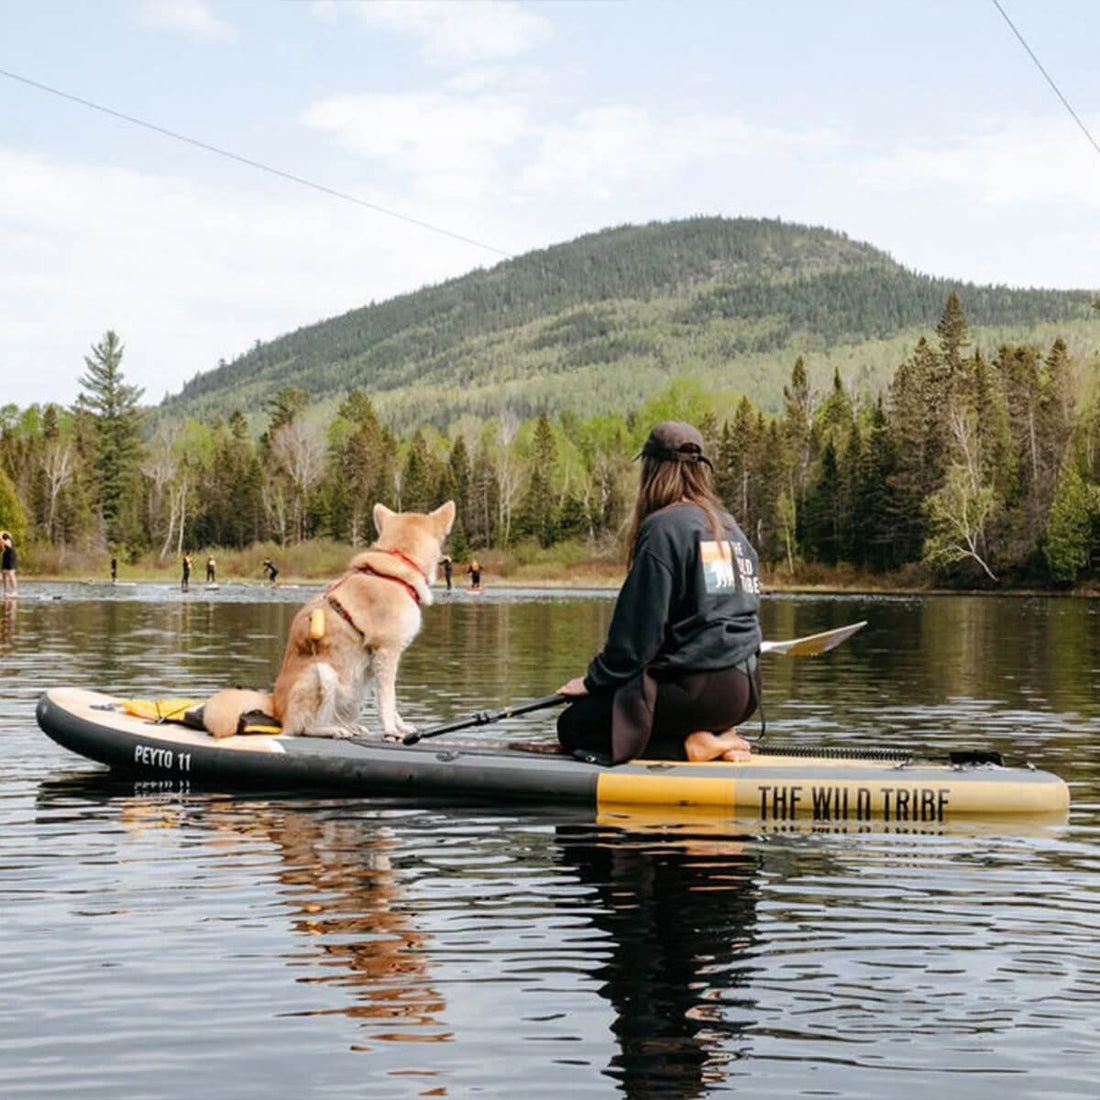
(474, 569)
(679, 669)
(211, 570)
(9, 562)
(448, 572)
(270, 570)
(185, 580)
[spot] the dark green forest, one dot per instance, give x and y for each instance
(972, 467)
(605, 322)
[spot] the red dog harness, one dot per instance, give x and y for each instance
(343, 612)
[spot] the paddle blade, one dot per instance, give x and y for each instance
(813, 645)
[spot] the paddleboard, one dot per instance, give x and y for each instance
(771, 787)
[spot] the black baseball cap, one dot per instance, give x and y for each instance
(675, 441)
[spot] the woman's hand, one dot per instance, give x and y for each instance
(573, 688)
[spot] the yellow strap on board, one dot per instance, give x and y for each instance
(159, 710)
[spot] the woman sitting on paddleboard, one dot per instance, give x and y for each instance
(679, 669)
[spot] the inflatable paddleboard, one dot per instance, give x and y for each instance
(772, 787)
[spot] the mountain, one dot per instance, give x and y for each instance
(601, 323)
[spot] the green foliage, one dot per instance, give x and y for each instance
(12, 518)
(982, 469)
(1075, 509)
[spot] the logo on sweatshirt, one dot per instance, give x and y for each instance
(726, 566)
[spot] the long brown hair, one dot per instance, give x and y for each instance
(666, 482)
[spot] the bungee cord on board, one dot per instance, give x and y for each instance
(207, 147)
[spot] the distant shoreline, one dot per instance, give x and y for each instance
(589, 581)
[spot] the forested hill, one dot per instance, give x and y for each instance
(602, 322)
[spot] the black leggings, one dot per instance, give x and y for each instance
(686, 703)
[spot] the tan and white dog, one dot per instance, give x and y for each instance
(351, 634)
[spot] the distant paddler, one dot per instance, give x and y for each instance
(679, 669)
(270, 570)
(474, 570)
(211, 570)
(8, 563)
(185, 580)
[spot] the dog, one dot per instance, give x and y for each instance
(351, 634)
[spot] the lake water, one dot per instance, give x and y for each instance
(164, 944)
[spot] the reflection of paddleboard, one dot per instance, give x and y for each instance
(778, 786)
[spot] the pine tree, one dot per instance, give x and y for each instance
(1067, 539)
(417, 490)
(918, 426)
(877, 506)
(952, 330)
(822, 508)
(113, 405)
(539, 514)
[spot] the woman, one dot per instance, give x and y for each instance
(8, 563)
(679, 666)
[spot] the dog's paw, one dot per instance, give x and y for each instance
(402, 726)
(337, 733)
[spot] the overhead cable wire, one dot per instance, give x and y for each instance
(331, 191)
(1049, 79)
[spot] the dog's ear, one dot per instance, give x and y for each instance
(444, 517)
(382, 516)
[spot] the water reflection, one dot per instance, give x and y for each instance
(364, 946)
(678, 916)
(7, 625)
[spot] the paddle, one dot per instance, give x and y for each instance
(485, 718)
(813, 644)
(810, 646)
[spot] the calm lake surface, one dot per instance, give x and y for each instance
(164, 944)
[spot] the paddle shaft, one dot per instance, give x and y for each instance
(485, 718)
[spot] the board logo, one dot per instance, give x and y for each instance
(726, 566)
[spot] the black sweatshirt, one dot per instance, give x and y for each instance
(688, 604)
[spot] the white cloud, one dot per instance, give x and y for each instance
(449, 144)
(187, 275)
(193, 17)
(455, 31)
(606, 150)
(1012, 162)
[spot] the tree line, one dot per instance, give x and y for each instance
(970, 469)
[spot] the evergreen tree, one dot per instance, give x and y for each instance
(877, 510)
(822, 508)
(952, 331)
(918, 426)
(113, 406)
(1068, 536)
(539, 515)
(417, 490)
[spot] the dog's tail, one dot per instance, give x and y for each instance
(313, 702)
(328, 691)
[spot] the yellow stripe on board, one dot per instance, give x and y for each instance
(923, 796)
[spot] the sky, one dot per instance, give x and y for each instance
(920, 126)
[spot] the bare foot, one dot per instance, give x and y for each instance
(704, 745)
